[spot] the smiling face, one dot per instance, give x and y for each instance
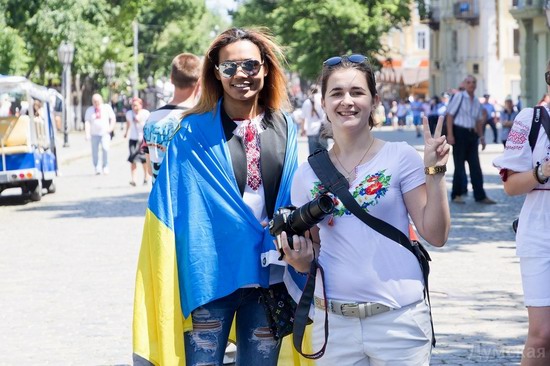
(348, 101)
(241, 87)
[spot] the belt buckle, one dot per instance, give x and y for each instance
(350, 309)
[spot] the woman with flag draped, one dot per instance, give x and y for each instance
(206, 251)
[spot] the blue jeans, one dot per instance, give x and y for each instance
(206, 343)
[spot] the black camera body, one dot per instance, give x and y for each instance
(296, 221)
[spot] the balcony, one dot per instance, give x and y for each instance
(467, 11)
(432, 18)
(525, 9)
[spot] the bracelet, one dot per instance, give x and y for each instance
(432, 170)
(537, 173)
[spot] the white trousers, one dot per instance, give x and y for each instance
(400, 337)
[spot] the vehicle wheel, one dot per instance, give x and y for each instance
(36, 193)
(49, 185)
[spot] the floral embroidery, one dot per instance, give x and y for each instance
(517, 136)
(367, 193)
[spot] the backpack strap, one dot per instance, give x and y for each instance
(336, 183)
(540, 117)
(459, 105)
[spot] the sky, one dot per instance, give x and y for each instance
(222, 5)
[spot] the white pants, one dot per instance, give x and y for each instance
(400, 337)
(105, 142)
(535, 276)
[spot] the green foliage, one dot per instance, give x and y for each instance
(32, 30)
(170, 27)
(13, 57)
(313, 31)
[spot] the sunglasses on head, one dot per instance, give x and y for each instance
(250, 67)
(547, 77)
(336, 60)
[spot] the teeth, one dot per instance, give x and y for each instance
(240, 85)
(347, 113)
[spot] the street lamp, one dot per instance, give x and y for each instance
(109, 68)
(65, 53)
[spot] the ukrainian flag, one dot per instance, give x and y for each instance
(200, 240)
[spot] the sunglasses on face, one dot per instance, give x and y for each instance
(336, 60)
(547, 77)
(250, 67)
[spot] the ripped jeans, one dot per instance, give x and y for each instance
(205, 344)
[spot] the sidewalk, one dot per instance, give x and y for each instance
(79, 147)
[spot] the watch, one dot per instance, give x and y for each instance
(543, 179)
(431, 170)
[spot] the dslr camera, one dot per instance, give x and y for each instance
(296, 221)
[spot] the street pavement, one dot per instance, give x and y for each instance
(67, 294)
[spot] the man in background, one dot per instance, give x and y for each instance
(99, 122)
(465, 124)
(163, 122)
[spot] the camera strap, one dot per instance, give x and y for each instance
(336, 183)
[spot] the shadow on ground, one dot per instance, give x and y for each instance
(111, 206)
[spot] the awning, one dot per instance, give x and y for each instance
(410, 71)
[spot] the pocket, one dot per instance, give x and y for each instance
(420, 315)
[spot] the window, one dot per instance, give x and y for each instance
(421, 40)
(516, 41)
(475, 68)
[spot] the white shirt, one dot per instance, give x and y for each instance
(253, 199)
(470, 110)
(99, 122)
(533, 235)
(360, 264)
(137, 123)
(313, 115)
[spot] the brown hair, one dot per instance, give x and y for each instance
(273, 95)
(363, 67)
(186, 70)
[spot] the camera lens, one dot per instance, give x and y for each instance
(310, 214)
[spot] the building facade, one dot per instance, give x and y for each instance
(477, 37)
(533, 17)
(405, 66)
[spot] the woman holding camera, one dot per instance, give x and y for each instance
(525, 169)
(227, 168)
(362, 268)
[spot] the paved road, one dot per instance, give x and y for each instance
(68, 263)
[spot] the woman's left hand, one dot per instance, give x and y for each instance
(436, 148)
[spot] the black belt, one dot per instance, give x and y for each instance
(465, 128)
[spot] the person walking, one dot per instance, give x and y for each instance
(162, 123)
(135, 121)
(99, 122)
(525, 170)
(313, 116)
(363, 269)
(206, 250)
(465, 122)
(507, 116)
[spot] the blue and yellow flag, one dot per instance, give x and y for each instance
(195, 229)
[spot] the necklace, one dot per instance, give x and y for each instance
(356, 165)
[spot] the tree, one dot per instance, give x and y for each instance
(313, 31)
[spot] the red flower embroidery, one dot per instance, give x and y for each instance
(373, 188)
